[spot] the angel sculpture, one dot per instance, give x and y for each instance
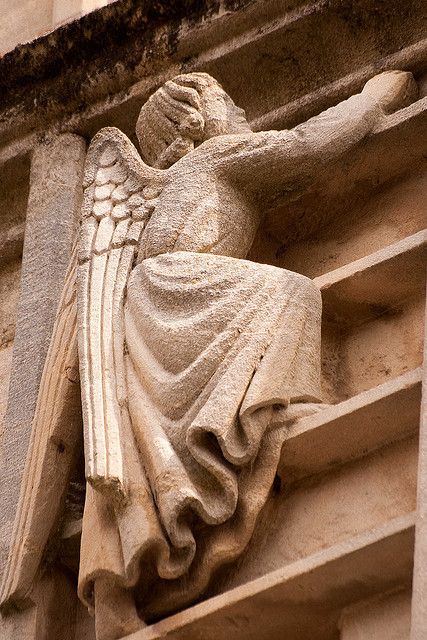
(192, 358)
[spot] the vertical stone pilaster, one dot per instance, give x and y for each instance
(52, 615)
(419, 588)
(51, 226)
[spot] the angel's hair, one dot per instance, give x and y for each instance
(183, 113)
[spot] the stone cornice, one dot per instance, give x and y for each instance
(100, 54)
(99, 69)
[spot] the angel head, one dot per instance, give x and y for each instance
(182, 114)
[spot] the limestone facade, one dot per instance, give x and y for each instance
(339, 548)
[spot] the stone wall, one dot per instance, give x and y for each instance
(333, 553)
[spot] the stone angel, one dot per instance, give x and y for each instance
(192, 359)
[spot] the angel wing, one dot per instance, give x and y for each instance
(120, 191)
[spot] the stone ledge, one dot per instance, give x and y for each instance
(306, 106)
(304, 599)
(353, 428)
(66, 70)
(150, 44)
(376, 284)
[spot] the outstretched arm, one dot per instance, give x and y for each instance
(274, 158)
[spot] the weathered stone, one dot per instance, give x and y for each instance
(332, 549)
(419, 594)
(384, 618)
(51, 226)
(223, 179)
(295, 601)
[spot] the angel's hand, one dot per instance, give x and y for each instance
(296, 411)
(392, 90)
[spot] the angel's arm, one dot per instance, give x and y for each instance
(273, 158)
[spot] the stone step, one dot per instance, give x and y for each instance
(353, 428)
(377, 283)
(303, 600)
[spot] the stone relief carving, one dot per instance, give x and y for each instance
(192, 359)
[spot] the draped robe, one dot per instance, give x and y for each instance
(214, 345)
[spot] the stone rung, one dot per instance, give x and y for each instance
(377, 283)
(304, 599)
(353, 428)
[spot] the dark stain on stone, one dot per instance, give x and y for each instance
(277, 484)
(85, 61)
(61, 447)
(235, 5)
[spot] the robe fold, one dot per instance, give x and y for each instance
(214, 347)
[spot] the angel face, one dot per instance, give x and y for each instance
(182, 114)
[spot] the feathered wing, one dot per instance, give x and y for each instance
(118, 187)
(110, 231)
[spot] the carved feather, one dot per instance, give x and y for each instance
(114, 214)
